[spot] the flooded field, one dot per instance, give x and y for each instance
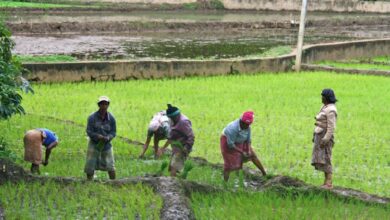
(182, 35)
(190, 16)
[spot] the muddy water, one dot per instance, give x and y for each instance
(205, 41)
(187, 16)
(174, 46)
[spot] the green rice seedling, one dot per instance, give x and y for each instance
(188, 166)
(82, 201)
(163, 166)
(284, 104)
(269, 205)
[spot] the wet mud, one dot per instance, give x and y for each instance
(179, 34)
(10, 172)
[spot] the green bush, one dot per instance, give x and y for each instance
(11, 81)
(216, 4)
(5, 152)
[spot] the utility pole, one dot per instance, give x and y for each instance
(298, 58)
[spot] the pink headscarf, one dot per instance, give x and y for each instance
(248, 117)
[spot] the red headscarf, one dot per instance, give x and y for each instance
(248, 117)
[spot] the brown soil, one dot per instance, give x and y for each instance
(9, 171)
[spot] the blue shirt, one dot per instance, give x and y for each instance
(235, 134)
(101, 126)
(50, 137)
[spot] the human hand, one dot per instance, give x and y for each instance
(324, 142)
(246, 154)
(100, 137)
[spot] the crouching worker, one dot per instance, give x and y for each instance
(236, 145)
(159, 128)
(33, 141)
(181, 138)
(101, 129)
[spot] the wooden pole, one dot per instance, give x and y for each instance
(298, 58)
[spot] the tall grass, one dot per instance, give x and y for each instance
(79, 201)
(284, 104)
(46, 58)
(271, 205)
(17, 4)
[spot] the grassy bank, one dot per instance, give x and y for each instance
(16, 4)
(46, 58)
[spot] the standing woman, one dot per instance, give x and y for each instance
(33, 141)
(323, 136)
(236, 145)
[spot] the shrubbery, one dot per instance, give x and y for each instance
(11, 81)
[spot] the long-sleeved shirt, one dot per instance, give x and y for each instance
(182, 132)
(50, 137)
(326, 120)
(105, 126)
(235, 134)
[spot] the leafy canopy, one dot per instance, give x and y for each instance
(11, 80)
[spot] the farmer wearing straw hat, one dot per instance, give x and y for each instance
(159, 127)
(101, 129)
(236, 145)
(323, 136)
(181, 138)
(33, 141)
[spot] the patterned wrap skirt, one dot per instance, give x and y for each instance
(233, 160)
(99, 160)
(322, 154)
(33, 146)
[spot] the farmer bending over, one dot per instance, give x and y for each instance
(236, 145)
(159, 128)
(101, 129)
(33, 141)
(181, 138)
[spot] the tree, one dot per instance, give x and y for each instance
(11, 80)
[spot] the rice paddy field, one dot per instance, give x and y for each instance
(284, 106)
(79, 201)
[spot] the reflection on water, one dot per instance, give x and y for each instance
(171, 46)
